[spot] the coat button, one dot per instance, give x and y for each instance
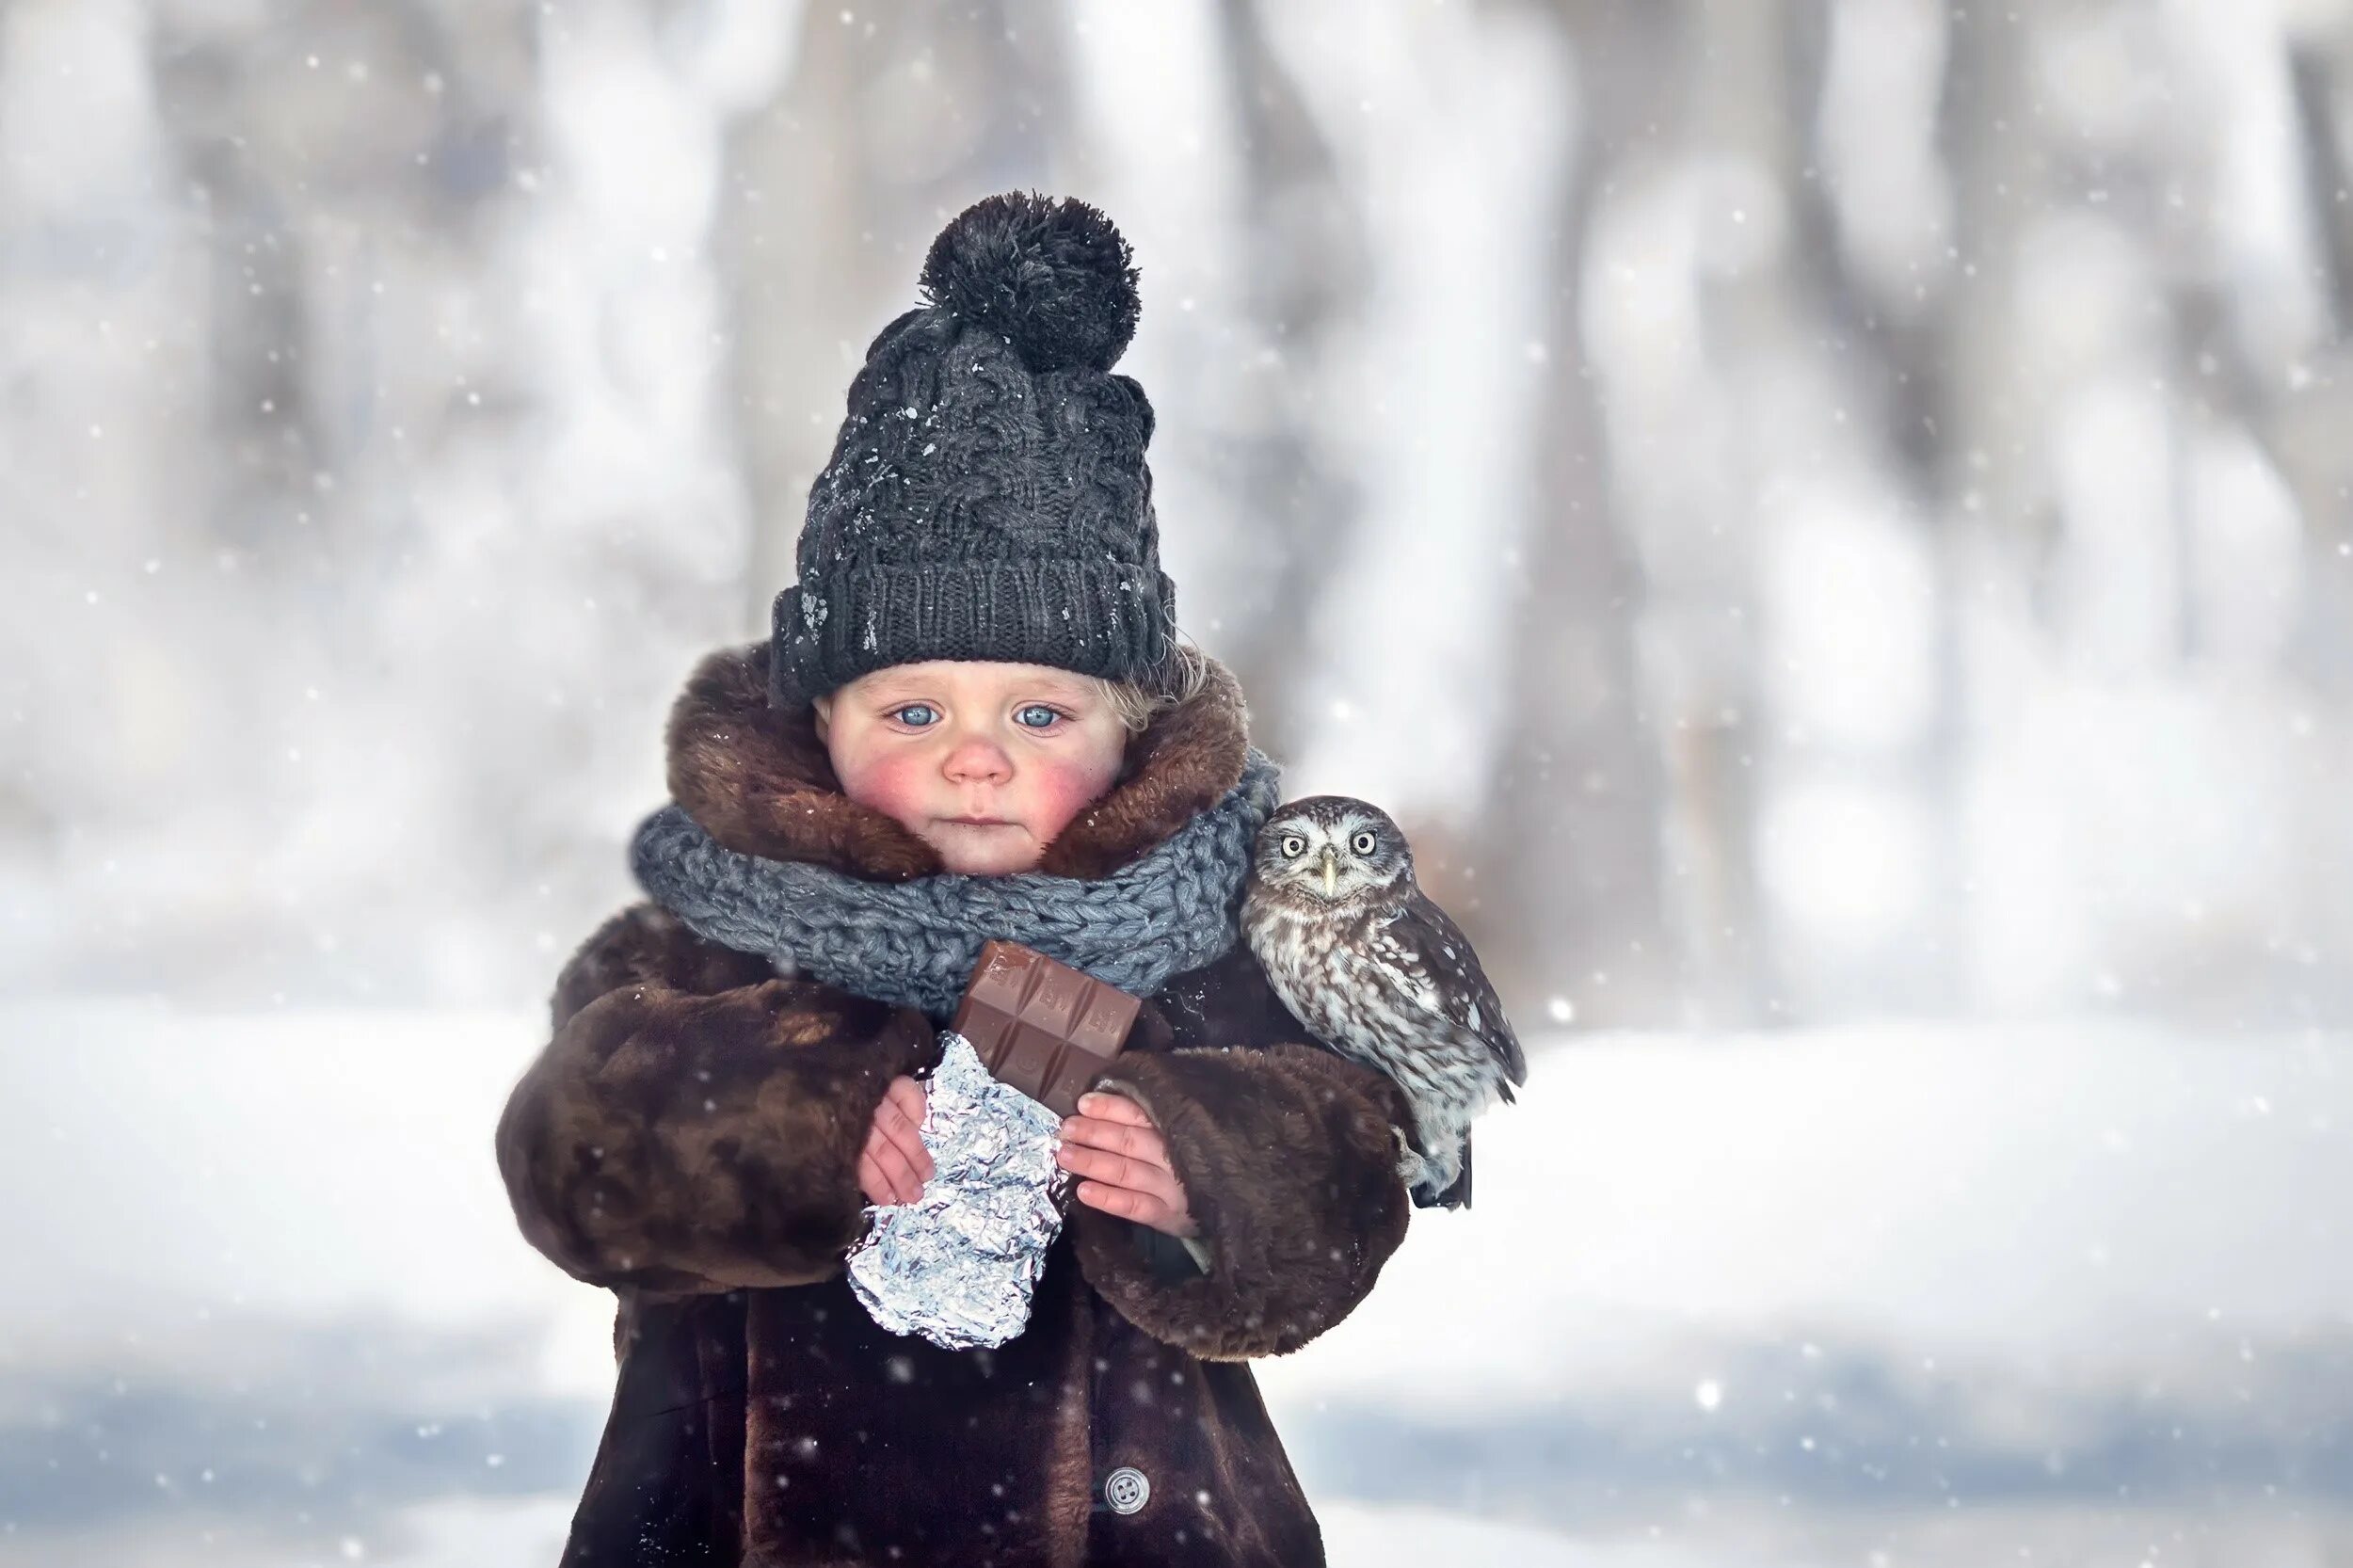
(1127, 1490)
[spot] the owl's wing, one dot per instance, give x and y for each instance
(1429, 947)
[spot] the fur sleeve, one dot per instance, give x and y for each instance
(1289, 1167)
(678, 1143)
(646, 942)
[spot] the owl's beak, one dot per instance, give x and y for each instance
(1331, 871)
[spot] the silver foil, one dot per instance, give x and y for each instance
(957, 1265)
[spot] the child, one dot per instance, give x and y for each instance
(976, 674)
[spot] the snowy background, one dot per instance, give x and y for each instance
(1829, 520)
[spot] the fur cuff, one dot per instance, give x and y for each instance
(677, 1144)
(1288, 1165)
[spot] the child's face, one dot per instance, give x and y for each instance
(985, 762)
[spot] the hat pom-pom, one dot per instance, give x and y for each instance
(1052, 275)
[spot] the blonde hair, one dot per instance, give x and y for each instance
(1178, 682)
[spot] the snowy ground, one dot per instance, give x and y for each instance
(1900, 1296)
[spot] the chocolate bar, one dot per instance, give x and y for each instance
(1041, 1026)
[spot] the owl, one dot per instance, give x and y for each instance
(1364, 960)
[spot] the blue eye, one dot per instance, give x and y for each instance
(925, 715)
(1037, 715)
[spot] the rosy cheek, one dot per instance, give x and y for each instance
(1059, 791)
(897, 786)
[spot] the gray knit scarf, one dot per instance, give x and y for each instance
(914, 943)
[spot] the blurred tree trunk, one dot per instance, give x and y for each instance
(2302, 425)
(352, 172)
(2299, 421)
(2302, 428)
(1745, 102)
(302, 196)
(1573, 815)
(1943, 377)
(1966, 427)
(1899, 375)
(1300, 254)
(891, 123)
(2316, 70)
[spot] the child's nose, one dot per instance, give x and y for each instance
(977, 759)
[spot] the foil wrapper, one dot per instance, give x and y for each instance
(958, 1265)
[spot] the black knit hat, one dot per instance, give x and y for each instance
(988, 496)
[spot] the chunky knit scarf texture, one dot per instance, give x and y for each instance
(1172, 909)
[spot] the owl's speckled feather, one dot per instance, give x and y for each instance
(1380, 973)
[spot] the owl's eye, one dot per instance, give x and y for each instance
(1362, 844)
(1294, 846)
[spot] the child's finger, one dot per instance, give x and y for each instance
(1138, 1143)
(875, 1178)
(878, 1187)
(1141, 1207)
(910, 1143)
(1125, 1202)
(1112, 1108)
(892, 1121)
(909, 1097)
(874, 1183)
(904, 1182)
(1118, 1170)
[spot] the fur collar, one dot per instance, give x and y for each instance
(757, 779)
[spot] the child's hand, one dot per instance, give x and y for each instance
(1115, 1146)
(894, 1164)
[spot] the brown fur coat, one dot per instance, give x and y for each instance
(689, 1138)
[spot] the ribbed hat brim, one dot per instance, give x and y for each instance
(1095, 618)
